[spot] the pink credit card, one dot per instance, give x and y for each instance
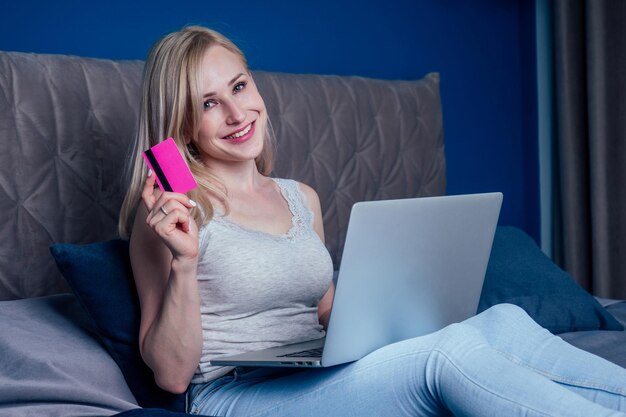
(172, 173)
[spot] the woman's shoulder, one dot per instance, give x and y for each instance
(309, 192)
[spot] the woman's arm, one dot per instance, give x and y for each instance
(326, 302)
(163, 253)
(325, 305)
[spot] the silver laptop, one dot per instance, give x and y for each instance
(409, 267)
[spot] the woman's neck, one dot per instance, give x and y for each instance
(239, 178)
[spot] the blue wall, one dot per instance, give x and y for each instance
(483, 49)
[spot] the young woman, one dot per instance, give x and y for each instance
(215, 272)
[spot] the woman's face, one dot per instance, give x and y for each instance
(234, 116)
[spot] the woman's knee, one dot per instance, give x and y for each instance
(508, 310)
(504, 318)
(502, 314)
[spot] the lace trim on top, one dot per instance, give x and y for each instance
(301, 220)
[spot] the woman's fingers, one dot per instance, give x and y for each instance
(167, 202)
(177, 229)
(160, 212)
(167, 198)
(177, 218)
(147, 194)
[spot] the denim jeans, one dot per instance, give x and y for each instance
(498, 363)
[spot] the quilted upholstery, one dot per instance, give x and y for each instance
(66, 124)
(356, 139)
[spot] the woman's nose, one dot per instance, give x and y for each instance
(235, 113)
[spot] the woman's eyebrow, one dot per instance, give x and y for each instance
(231, 82)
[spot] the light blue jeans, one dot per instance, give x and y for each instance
(498, 363)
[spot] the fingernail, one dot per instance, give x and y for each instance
(149, 171)
(193, 203)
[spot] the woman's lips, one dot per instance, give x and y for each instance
(242, 135)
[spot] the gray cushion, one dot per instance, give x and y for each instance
(356, 139)
(66, 124)
(52, 365)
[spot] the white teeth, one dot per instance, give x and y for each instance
(240, 133)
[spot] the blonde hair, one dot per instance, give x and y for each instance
(171, 106)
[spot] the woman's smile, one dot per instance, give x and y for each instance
(242, 135)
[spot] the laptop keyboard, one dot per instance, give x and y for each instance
(305, 353)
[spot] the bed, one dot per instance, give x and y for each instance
(69, 312)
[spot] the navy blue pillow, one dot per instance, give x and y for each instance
(101, 278)
(520, 273)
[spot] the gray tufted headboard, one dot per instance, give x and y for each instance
(66, 124)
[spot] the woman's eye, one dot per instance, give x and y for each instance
(239, 87)
(209, 104)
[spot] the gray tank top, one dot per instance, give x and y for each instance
(260, 290)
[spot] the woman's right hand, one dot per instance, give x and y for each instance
(169, 216)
